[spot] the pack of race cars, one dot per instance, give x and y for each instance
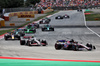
(25, 37)
(62, 17)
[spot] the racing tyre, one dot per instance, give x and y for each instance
(75, 48)
(68, 17)
(94, 47)
(44, 45)
(42, 29)
(44, 42)
(40, 22)
(5, 38)
(56, 18)
(19, 38)
(38, 39)
(89, 45)
(49, 19)
(28, 43)
(22, 42)
(58, 46)
(52, 29)
(34, 31)
(38, 26)
(61, 17)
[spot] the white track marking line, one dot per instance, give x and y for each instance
(88, 27)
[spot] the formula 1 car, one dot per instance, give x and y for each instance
(32, 41)
(12, 35)
(47, 28)
(59, 17)
(71, 45)
(66, 16)
(20, 32)
(36, 25)
(45, 21)
(30, 29)
(79, 9)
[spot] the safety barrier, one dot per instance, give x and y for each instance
(26, 16)
(8, 15)
(2, 22)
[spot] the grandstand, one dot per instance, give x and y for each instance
(60, 3)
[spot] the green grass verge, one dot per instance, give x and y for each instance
(89, 12)
(92, 17)
(5, 31)
(49, 13)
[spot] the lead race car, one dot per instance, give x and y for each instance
(45, 21)
(79, 9)
(66, 16)
(32, 41)
(72, 45)
(59, 17)
(47, 28)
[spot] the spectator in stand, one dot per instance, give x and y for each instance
(63, 3)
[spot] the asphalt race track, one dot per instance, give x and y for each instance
(72, 28)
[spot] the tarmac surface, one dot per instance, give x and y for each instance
(72, 28)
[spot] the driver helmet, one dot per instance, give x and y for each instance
(48, 25)
(43, 40)
(72, 40)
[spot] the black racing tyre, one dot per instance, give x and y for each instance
(52, 29)
(34, 31)
(89, 45)
(22, 34)
(18, 38)
(42, 29)
(56, 18)
(38, 26)
(5, 38)
(68, 16)
(45, 43)
(61, 17)
(47, 22)
(28, 43)
(58, 46)
(75, 48)
(22, 42)
(49, 19)
(94, 47)
(38, 39)
(40, 22)
(80, 10)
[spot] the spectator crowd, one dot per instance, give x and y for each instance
(68, 3)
